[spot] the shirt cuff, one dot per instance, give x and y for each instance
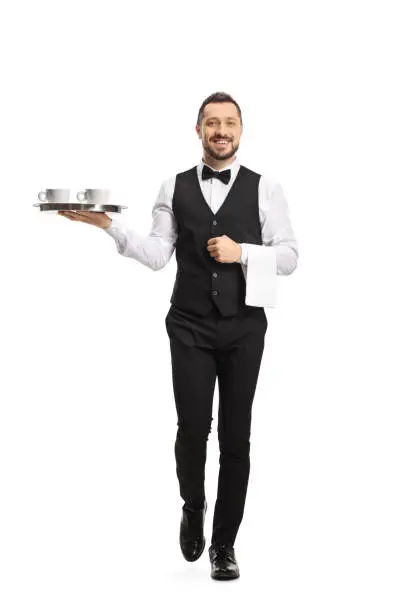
(244, 255)
(261, 278)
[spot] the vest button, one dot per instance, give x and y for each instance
(215, 274)
(214, 222)
(215, 292)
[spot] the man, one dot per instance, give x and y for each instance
(232, 235)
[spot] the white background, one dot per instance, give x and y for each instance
(107, 95)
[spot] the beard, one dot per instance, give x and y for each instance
(219, 155)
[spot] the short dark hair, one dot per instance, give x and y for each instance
(219, 96)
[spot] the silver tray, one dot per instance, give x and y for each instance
(46, 206)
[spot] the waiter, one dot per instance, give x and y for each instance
(232, 235)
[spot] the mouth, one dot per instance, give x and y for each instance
(222, 142)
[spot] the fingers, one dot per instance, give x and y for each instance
(74, 215)
(83, 216)
(70, 214)
(90, 217)
(89, 214)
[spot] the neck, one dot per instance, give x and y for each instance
(218, 164)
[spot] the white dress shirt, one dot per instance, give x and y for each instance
(261, 263)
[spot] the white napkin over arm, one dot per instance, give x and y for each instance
(278, 255)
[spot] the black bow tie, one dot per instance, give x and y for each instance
(208, 172)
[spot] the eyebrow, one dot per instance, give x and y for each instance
(235, 118)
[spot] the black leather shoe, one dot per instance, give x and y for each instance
(223, 563)
(192, 540)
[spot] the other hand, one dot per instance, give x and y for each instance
(223, 249)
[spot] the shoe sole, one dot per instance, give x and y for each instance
(225, 577)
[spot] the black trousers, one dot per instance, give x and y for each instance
(203, 349)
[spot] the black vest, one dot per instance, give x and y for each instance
(201, 281)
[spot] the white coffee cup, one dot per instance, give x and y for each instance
(93, 196)
(54, 196)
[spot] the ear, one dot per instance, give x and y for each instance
(198, 130)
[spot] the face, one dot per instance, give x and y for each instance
(220, 122)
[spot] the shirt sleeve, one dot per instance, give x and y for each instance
(278, 254)
(155, 249)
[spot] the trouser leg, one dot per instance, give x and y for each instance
(238, 368)
(194, 375)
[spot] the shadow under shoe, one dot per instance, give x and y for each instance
(223, 562)
(192, 540)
